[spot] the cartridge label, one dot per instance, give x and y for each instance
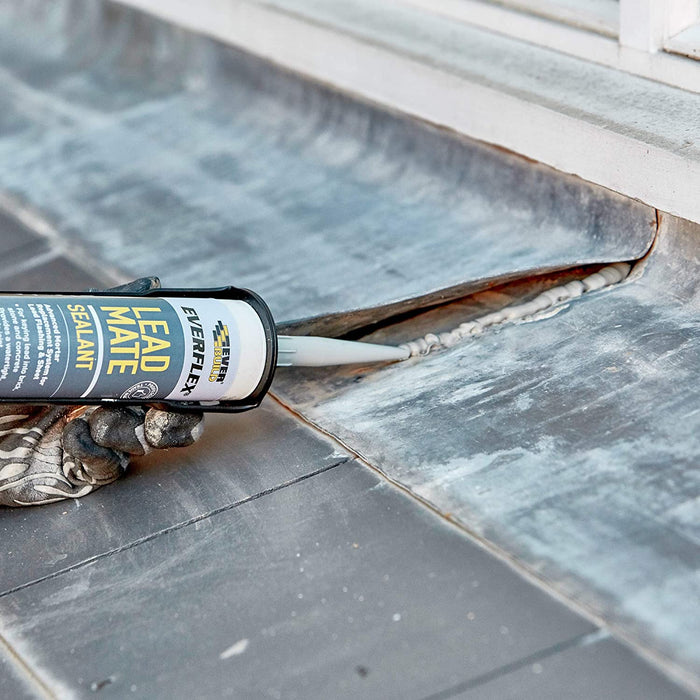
(138, 348)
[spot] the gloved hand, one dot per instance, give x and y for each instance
(48, 453)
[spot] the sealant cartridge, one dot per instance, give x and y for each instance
(210, 349)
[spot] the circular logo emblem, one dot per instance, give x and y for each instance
(142, 390)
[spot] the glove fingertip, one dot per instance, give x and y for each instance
(118, 428)
(100, 463)
(136, 287)
(165, 429)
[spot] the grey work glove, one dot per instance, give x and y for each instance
(48, 453)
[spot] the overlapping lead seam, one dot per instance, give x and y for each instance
(607, 276)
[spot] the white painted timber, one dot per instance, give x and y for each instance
(680, 14)
(647, 24)
(595, 15)
(600, 46)
(631, 135)
(687, 43)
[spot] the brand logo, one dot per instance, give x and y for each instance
(222, 353)
(141, 390)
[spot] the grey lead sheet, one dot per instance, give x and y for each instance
(571, 442)
(166, 153)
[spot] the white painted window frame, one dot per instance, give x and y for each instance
(647, 25)
(649, 38)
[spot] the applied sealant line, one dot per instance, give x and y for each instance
(531, 310)
(541, 306)
(173, 528)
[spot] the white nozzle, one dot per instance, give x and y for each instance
(312, 351)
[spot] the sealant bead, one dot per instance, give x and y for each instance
(594, 282)
(624, 268)
(554, 295)
(413, 347)
(431, 339)
(611, 274)
(512, 312)
(452, 339)
(466, 327)
(540, 303)
(409, 348)
(526, 309)
(491, 319)
(574, 288)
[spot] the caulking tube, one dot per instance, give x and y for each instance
(181, 348)
(211, 349)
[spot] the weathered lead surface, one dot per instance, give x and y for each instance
(597, 670)
(165, 153)
(335, 587)
(571, 442)
(12, 685)
(240, 458)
